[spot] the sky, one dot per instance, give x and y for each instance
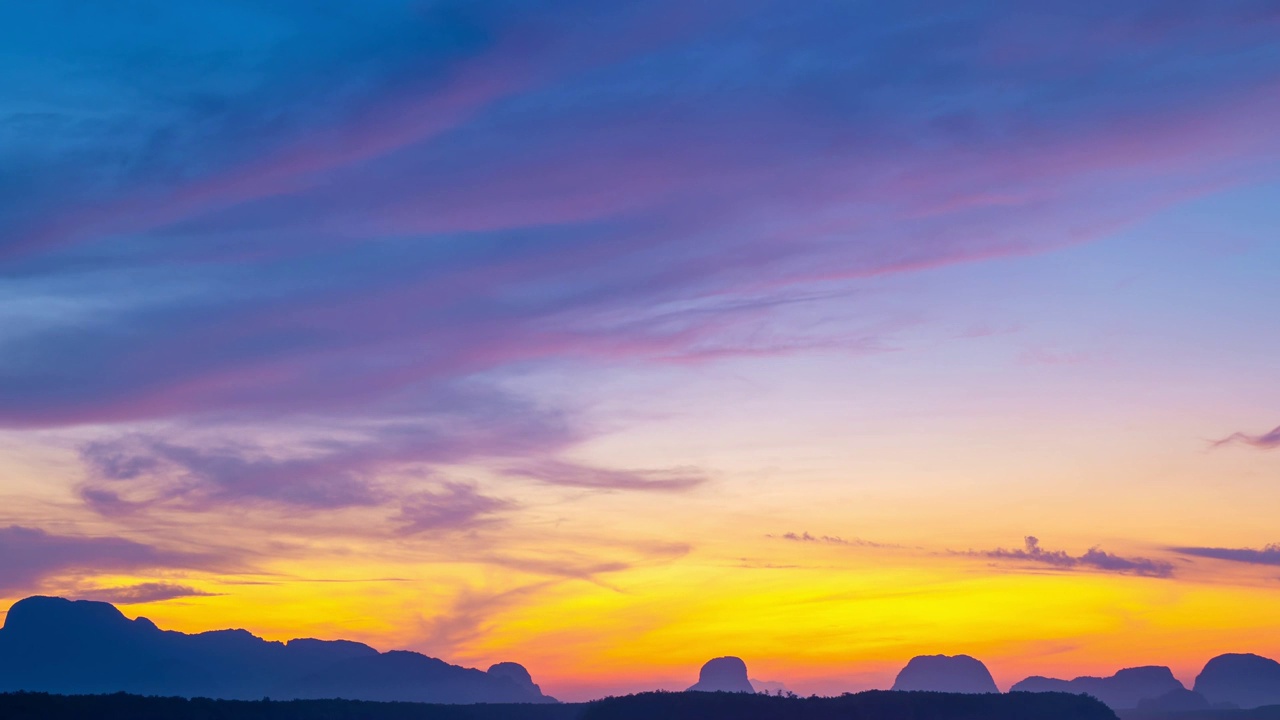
(612, 337)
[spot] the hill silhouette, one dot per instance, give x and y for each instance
(1124, 690)
(946, 673)
(62, 646)
(872, 705)
(1241, 679)
(1175, 701)
(723, 674)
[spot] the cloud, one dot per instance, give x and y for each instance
(555, 472)
(472, 614)
(805, 537)
(1265, 441)
(357, 230)
(350, 219)
(1093, 559)
(29, 556)
(457, 506)
(142, 593)
(1268, 555)
(210, 475)
(136, 472)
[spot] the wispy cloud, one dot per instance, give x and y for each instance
(1093, 559)
(471, 615)
(327, 249)
(193, 476)
(1267, 555)
(1263, 441)
(568, 474)
(456, 506)
(354, 227)
(805, 537)
(29, 556)
(142, 593)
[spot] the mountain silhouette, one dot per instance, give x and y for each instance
(1174, 701)
(73, 647)
(1244, 680)
(1122, 691)
(516, 673)
(946, 673)
(723, 674)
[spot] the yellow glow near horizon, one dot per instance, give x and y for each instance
(817, 629)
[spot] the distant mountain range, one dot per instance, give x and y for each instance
(60, 646)
(80, 647)
(1227, 681)
(1122, 691)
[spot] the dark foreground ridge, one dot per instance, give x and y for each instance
(871, 705)
(1268, 712)
(60, 646)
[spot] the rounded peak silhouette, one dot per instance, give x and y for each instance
(723, 674)
(515, 671)
(39, 612)
(946, 673)
(1242, 679)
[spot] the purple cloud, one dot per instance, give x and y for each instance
(134, 473)
(1268, 555)
(29, 556)
(457, 506)
(1264, 441)
(555, 472)
(363, 226)
(497, 187)
(142, 593)
(197, 476)
(805, 537)
(1093, 559)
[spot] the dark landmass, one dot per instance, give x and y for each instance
(1269, 712)
(120, 706)
(1243, 680)
(60, 646)
(871, 705)
(723, 674)
(1175, 701)
(1124, 690)
(946, 673)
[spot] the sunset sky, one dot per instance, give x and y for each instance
(610, 337)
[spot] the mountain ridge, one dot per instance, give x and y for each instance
(1124, 690)
(81, 646)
